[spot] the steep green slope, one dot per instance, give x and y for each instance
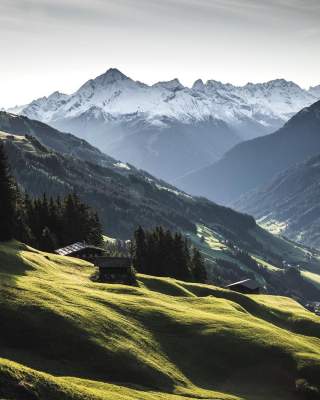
(254, 162)
(63, 336)
(272, 256)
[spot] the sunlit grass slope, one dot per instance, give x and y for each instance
(65, 337)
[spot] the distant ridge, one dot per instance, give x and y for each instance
(255, 162)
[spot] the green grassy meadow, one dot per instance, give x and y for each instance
(65, 337)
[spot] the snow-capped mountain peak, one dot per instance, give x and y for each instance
(110, 76)
(198, 85)
(315, 91)
(152, 126)
(56, 96)
(264, 106)
(174, 84)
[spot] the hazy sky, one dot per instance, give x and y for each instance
(49, 45)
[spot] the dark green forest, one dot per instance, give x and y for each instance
(162, 253)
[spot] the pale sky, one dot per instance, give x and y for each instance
(48, 45)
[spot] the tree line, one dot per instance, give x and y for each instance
(44, 223)
(163, 253)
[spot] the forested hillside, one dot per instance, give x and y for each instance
(124, 196)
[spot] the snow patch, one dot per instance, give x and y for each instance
(122, 165)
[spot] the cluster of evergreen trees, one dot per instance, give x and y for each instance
(162, 253)
(44, 223)
(48, 224)
(7, 199)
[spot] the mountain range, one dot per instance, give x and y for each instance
(167, 128)
(255, 162)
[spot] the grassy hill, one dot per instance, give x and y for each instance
(273, 256)
(65, 337)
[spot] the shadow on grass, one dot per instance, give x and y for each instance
(45, 341)
(276, 317)
(42, 339)
(220, 360)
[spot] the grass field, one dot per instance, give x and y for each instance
(65, 337)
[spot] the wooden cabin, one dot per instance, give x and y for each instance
(246, 286)
(81, 250)
(115, 270)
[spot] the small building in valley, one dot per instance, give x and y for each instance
(313, 306)
(110, 269)
(246, 286)
(115, 270)
(81, 250)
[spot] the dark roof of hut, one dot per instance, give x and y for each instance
(113, 262)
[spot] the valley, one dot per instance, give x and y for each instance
(159, 200)
(254, 163)
(127, 197)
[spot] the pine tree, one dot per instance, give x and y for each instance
(47, 240)
(181, 265)
(140, 251)
(94, 235)
(7, 199)
(22, 231)
(198, 267)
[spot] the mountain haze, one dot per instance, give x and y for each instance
(167, 128)
(289, 204)
(255, 162)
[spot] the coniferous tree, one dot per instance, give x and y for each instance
(22, 231)
(198, 267)
(51, 223)
(181, 266)
(139, 251)
(7, 199)
(162, 253)
(94, 235)
(47, 240)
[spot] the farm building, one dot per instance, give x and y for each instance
(115, 270)
(247, 286)
(81, 250)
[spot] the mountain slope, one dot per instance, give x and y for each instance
(124, 196)
(61, 142)
(289, 203)
(164, 339)
(254, 162)
(167, 128)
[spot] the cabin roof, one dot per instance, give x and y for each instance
(248, 283)
(75, 247)
(113, 262)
